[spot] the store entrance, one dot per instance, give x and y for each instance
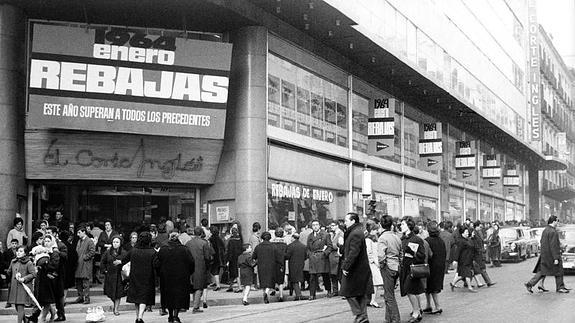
(127, 206)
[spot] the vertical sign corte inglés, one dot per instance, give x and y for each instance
(534, 76)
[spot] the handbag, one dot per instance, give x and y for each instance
(419, 271)
(126, 271)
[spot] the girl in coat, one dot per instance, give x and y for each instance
(47, 283)
(436, 268)
(112, 268)
(233, 251)
(413, 252)
(21, 271)
(371, 245)
(465, 249)
(142, 290)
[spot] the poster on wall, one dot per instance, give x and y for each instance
(127, 80)
(511, 180)
(381, 128)
(491, 172)
(431, 146)
(465, 161)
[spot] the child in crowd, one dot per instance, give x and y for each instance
(246, 268)
(22, 271)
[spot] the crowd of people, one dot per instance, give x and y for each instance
(348, 257)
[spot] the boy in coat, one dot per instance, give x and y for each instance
(86, 250)
(296, 254)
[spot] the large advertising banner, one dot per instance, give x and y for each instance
(534, 74)
(381, 128)
(431, 146)
(125, 80)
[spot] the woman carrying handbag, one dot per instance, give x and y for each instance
(413, 252)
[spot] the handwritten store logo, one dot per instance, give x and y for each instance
(137, 159)
(297, 192)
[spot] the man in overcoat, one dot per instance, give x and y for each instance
(86, 249)
(202, 253)
(356, 284)
(549, 262)
(319, 247)
(296, 254)
(266, 256)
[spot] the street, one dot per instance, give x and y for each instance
(507, 301)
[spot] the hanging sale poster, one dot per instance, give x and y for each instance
(511, 180)
(431, 146)
(491, 172)
(465, 161)
(381, 128)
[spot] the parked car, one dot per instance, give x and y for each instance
(534, 235)
(513, 243)
(567, 237)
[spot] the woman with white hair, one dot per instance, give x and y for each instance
(47, 281)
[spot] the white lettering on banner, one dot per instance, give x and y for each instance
(134, 54)
(93, 78)
(296, 192)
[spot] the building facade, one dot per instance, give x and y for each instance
(271, 111)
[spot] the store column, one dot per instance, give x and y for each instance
(534, 195)
(247, 125)
(12, 94)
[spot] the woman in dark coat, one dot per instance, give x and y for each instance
(21, 271)
(233, 251)
(47, 282)
(465, 249)
(296, 254)
(176, 264)
(280, 251)
(218, 263)
(72, 260)
(142, 287)
(413, 252)
(112, 267)
(265, 255)
(436, 268)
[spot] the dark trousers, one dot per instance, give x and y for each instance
(296, 288)
(389, 280)
(313, 283)
(60, 307)
(558, 280)
(485, 276)
(83, 287)
(197, 298)
(358, 306)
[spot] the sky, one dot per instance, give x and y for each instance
(558, 19)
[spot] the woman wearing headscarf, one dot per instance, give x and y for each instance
(176, 265)
(218, 264)
(413, 252)
(112, 269)
(465, 248)
(130, 244)
(436, 268)
(142, 287)
(47, 284)
(264, 254)
(280, 251)
(233, 251)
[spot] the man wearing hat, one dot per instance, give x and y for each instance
(296, 254)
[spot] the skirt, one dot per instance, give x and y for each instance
(376, 275)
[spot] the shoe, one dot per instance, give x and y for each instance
(312, 298)
(280, 299)
(427, 310)
(563, 290)
(116, 313)
(329, 295)
(86, 301)
(171, 320)
(415, 319)
(266, 300)
(163, 312)
(373, 305)
(439, 311)
(229, 290)
(542, 289)
(197, 310)
(217, 289)
(273, 293)
(205, 305)
(31, 318)
(567, 288)
(177, 319)
(471, 290)
(79, 300)
(8, 305)
(245, 303)
(491, 284)
(482, 285)
(335, 294)
(60, 319)
(452, 287)
(529, 287)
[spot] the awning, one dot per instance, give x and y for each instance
(561, 194)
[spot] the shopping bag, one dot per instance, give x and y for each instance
(126, 271)
(95, 314)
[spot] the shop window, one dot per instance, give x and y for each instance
(304, 103)
(455, 206)
(471, 206)
(498, 210)
(298, 204)
(485, 210)
(421, 209)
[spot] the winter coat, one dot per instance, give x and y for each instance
(27, 270)
(203, 255)
(46, 286)
(550, 251)
(357, 282)
(265, 255)
(334, 254)
(407, 284)
(233, 251)
(466, 249)
(176, 266)
(113, 286)
(86, 251)
(246, 266)
(104, 239)
(296, 254)
(436, 263)
(280, 252)
(318, 256)
(70, 265)
(219, 254)
(142, 285)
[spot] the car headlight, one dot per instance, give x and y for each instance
(513, 246)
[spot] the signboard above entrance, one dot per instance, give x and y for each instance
(126, 80)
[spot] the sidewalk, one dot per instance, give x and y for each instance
(218, 298)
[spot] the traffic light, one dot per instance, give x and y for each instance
(372, 207)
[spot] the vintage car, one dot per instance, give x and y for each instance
(514, 243)
(567, 237)
(534, 241)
